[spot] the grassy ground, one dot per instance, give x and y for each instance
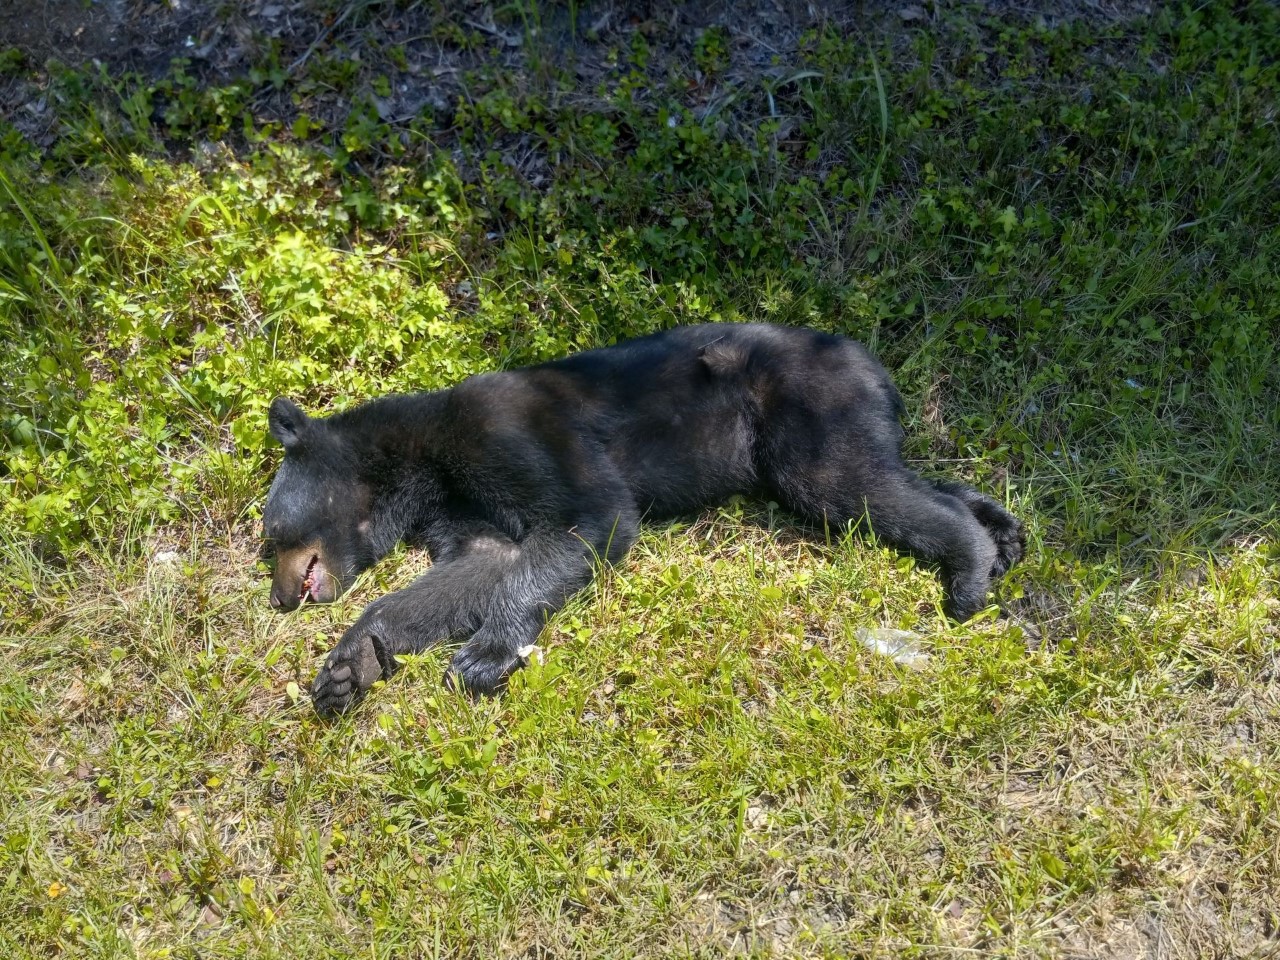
(1060, 232)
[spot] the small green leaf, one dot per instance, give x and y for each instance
(1053, 865)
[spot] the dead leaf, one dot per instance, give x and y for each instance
(76, 695)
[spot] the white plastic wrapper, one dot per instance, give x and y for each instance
(901, 646)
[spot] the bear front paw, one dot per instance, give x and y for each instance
(482, 669)
(351, 668)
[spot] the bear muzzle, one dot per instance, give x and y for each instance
(302, 576)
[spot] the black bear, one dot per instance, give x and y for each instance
(518, 482)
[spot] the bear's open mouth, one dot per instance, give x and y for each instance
(308, 581)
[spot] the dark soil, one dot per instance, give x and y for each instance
(222, 40)
(416, 58)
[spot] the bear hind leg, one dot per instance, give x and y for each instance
(917, 518)
(1005, 529)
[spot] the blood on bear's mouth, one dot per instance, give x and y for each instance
(308, 580)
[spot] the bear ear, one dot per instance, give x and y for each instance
(288, 423)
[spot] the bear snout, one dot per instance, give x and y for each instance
(302, 576)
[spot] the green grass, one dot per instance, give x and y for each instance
(1061, 238)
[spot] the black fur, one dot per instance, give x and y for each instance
(517, 482)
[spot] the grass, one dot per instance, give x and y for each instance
(706, 761)
(1060, 236)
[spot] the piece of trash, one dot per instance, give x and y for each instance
(901, 646)
(530, 654)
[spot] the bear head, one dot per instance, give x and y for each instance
(318, 512)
